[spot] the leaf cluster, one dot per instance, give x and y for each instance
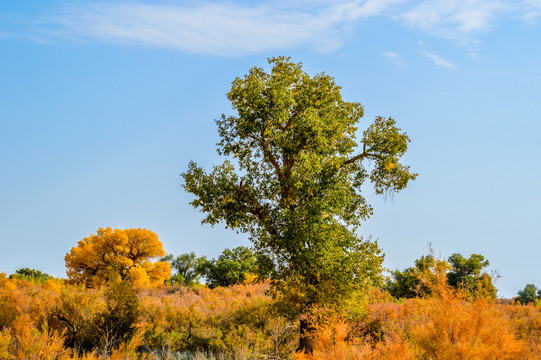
(231, 267)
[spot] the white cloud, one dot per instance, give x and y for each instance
(232, 28)
(457, 19)
(394, 57)
(439, 61)
(215, 27)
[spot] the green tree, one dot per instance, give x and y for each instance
(296, 185)
(186, 268)
(529, 295)
(468, 274)
(409, 283)
(462, 273)
(230, 268)
(30, 274)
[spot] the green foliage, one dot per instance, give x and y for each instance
(230, 268)
(409, 283)
(185, 268)
(296, 185)
(468, 274)
(530, 294)
(462, 273)
(30, 275)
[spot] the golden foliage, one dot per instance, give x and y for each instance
(56, 320)
(112, 254)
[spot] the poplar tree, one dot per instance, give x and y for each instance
(292, 180)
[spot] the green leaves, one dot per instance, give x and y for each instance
(230, 268)
(384, 144)
(293, 181)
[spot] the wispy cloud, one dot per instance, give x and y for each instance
(233, 28)
(394, 57)
(532, 9)
(457, 19)
(439, 61)
(214, 27)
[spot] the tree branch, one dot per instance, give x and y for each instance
(256, 208)
(361, 156)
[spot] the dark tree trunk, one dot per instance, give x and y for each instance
(305, 340)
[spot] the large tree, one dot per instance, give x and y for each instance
(126, 254)
(296, 185)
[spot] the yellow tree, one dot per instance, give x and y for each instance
(126, 254)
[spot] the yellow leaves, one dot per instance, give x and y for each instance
(53, 284)
(117, 253)
(139, 277)
(5, 339)
(250, 279)
(389, 166)
(158, 272)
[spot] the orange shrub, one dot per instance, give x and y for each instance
(334, 341)
(57, 321)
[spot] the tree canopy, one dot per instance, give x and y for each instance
(185, 268)
(30, 274)
(292, 180)
(413, 281)
(230, 268)
(462, 273)
(126, 254)
(469, 274)
(530, 294)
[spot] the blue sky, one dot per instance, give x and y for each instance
(102, 105)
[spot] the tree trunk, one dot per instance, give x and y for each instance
(305, 341)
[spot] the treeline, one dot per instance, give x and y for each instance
(238, 265)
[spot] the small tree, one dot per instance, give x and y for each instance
(461, 273)
(468, 274)
(230, 268)
(185, 268)
(296, 189)
(530, 294)
(411, 282)
(30, 274)
(124, 254)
